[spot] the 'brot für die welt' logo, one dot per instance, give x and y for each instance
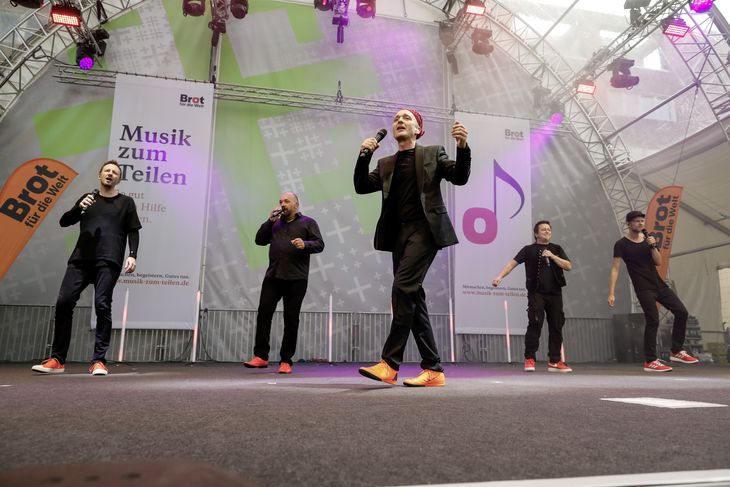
(192, 101)
(513, 134)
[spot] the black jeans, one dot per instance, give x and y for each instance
(538, 307)
(667, 298)
(103, 275)
(414, 252)
(272, 290)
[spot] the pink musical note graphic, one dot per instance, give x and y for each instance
(489, 216)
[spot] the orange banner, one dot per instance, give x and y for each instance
(27, 197)
(661, 222)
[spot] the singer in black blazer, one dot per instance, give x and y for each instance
(413, 225)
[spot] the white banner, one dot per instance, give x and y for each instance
(493, 214)
(161, 135)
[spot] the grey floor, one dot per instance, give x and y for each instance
(327, 425)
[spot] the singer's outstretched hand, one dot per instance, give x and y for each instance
(369, 145)
(86, 202)
(496, 281)
(459, 132)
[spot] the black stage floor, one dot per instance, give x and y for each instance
(327, 425)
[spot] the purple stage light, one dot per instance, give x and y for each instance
(701, 6)
(86, 63)
(556, 118)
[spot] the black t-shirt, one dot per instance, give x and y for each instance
(403, 190)
(104, 228)
(541, 277)
(638, 260)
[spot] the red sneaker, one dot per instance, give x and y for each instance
(50, 366)
(529, 365)
(256, 363)
(98, 368)
(683, 357)
(284, 368)
(559, 367)
(656, 366)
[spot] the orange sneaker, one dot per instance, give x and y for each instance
(284, 368)
(380, 371)
(256, 363)
(427, 378)
(98, 368)
(50, 366)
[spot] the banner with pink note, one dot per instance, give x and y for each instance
(493, 217)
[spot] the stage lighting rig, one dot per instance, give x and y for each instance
(90, 49)
(674, 27)
(194, 8)
(366, 8)
(34, 4)
(239, 8)
(622, 78)
(324, 5)
(634, 7)
(340, 18)
(67, 15)
(480, 42)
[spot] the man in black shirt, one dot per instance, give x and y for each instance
(108, 219)
(639, 252)
(292, 238)
(413, 225)
(544, 266)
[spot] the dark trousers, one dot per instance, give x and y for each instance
(538, 307)
(667, 298)
(413, 254)
(103, 275)
(273, 290)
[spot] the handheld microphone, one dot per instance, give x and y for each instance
(94, 193)
(646, 235)
(547, 259)
(378, 137)
(277, 212)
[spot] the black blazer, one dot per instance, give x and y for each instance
(431, 166)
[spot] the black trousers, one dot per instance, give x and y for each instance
(538, 307)
(273, 290)
(103, 275)
(413, 254)
(667, 298)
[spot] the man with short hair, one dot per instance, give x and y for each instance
(639, 252)
(544, 265)
(413, 225)
(292, 238)
(108, 219)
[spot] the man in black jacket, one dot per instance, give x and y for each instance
(413, 225)
(107, 218)
(292, 238)
(544, 266)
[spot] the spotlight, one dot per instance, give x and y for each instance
(447, 36)
(196, 8)
(480, 42)
(586, 87)
(474, 7)
(366, 8)
(324, 5)
(34, 4)
(239, 8)
(340, 18)
(634, 7)
(700, 6)
(85, 53)
(674, 27)
(65, 15)
(622, 78)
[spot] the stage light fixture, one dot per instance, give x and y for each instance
(340, 18)
(634, 7)
(66, 15)
(622, 77)
(474, 7)
(194, 8)
(701, 6)
(480, 42)
(447, 36)
(674, 27)
(88, 51)
(239, 8)
(324, 5)
(34, 4)
(366, 8)
(586, 87)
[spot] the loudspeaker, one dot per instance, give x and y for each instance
(628, 337)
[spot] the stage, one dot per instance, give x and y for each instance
(327, 425)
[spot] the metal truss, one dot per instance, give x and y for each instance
(588, 121)
(267, 96)
(29, 47)
(706, 52)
